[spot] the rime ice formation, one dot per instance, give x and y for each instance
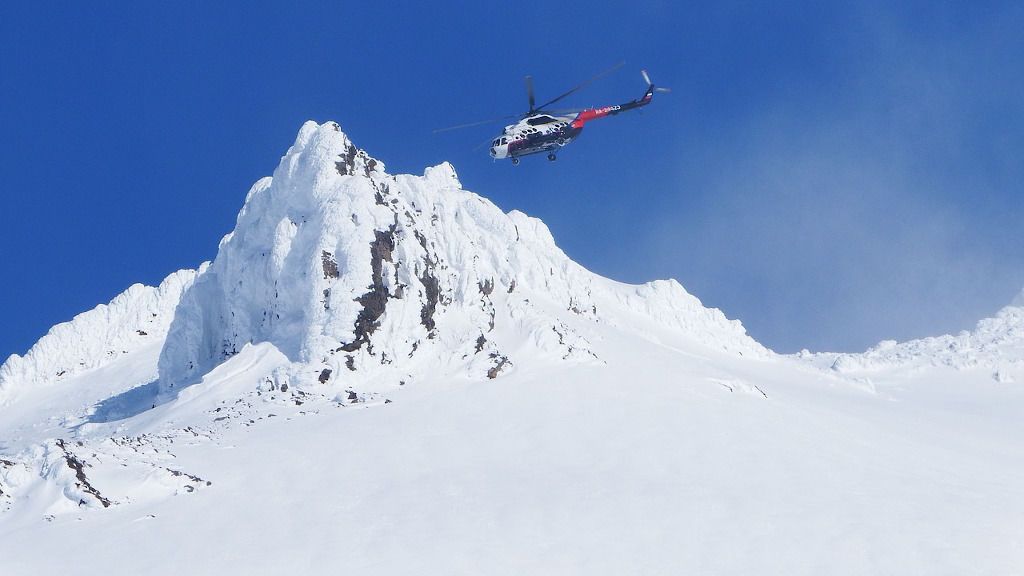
(351, 271)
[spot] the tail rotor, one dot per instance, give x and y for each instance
(651, 85)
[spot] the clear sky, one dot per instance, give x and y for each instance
(831, 174)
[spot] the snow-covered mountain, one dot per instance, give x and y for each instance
(388, 374)
(361, 276)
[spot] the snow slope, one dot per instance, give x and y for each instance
(387, 375)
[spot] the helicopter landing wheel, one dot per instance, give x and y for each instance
(552, 157)
(515, 161)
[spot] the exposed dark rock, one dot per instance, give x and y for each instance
(379, 194)
(191, 477)
(480, 342)
(330, 265)
(228, 349)
(569, 348)
(433, 294)
(374, 301)
(142, 333)
(350, 362)
(325, 375)
(486, 287)
(347, 163)
(83, 482)
(512, 286)
(502, 363)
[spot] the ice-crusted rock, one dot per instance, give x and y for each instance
(352, 272)
(138, 316)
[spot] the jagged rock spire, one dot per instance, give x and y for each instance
(349, 270)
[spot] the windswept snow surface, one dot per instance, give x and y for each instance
(388, 375)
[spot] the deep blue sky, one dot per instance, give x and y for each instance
(832, 175)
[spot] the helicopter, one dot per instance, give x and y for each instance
(541, 130)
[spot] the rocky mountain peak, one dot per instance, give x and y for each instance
(357, 274)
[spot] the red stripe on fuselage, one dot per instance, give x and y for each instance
(595, 113)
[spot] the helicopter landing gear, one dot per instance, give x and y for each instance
(552, 157)
(515, 161)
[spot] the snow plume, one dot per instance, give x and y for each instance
(349, 270)
(1019, 300)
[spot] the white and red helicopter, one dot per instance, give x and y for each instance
(541, 130)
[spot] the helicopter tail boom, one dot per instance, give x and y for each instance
(595, 113)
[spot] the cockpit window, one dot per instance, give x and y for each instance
(538, 120)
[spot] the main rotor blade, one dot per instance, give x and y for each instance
(471, 124)
(482, 144)
(560, 111)
(583, 84)
(529, 90)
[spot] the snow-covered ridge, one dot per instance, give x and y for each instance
(350, 270)
(996, 342)
(139, 315)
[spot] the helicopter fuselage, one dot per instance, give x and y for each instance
(545, 132)
(534, 134)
